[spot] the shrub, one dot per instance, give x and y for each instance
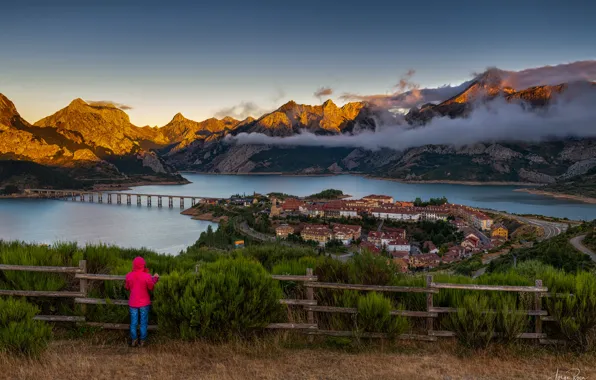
(374, 315)
(369, 269)
(227, 297)
(19, 333)
(576, 313)
(472, 327)
(510, 320)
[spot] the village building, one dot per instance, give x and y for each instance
(283, 231)
(312, 210)
(275, 209)
(398, 245)
(428, 260)
(317, 232)
(375, 237)
(378, 199)
(481, 220)
(382, 238)
(448, 259)
(432, 213)
(459, 223)
(292, 205)
(369, 247)
(404, 204)
(499, 231)
(404, 255)
(346, 233)
(396, 213)
(471, 242)
(429, 246)
(208, 201)
(243, 201)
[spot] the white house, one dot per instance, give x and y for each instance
(396, 214)
(398, 245)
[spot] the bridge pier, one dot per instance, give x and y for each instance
(99, 197)
(171, 202)
(193, 201)
(148, 200)
(91, 197)
(181, 202)
(138, 200)
(128, 199)
(158, 201)
(109, 198)
(119, 199)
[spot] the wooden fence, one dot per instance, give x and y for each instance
(309, 304)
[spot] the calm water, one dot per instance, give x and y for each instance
(165, 230)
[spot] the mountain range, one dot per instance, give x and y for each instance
(93, 144)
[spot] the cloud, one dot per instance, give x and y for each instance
(551, 75)
(241, 111)
(572, 115)
(108, 103)
(405, 83)
(323, 92)
(408, 94)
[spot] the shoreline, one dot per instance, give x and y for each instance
(578, 198)
(363, 175)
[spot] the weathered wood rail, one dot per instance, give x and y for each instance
(309, 304)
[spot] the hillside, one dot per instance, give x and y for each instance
(79, 142)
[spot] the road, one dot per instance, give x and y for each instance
(247, 230)
(551, 229)
(577, 243)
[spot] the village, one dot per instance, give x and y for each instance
(381, 225)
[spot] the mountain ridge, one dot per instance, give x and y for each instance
(82, 132)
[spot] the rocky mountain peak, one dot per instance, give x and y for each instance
(288, 106)
(178, 118)
(78, 103)
(329, 104)
(7, 110)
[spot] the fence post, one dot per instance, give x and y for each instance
(429, 304)
(310, 295)
(83, 283)
(538, 307)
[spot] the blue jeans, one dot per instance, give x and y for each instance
(134, 321)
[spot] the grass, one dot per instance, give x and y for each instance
(271, 359)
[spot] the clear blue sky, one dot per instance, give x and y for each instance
(167, 57)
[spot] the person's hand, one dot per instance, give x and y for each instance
(156, 275)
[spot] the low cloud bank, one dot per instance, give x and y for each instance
(108, 103)
(570, 116)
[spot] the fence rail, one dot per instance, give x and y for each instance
(309, 304)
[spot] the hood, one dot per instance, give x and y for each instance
(138, 264)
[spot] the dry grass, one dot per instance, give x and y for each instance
(174, 360)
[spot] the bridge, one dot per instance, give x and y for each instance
(100, 195)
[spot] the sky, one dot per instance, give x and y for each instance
(204, 58)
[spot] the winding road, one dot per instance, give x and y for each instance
(577, 243)
(551, 229)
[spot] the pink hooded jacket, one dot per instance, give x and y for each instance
(139, 282)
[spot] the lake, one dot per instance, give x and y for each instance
(165, 230)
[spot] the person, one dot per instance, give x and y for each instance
(139, 282)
